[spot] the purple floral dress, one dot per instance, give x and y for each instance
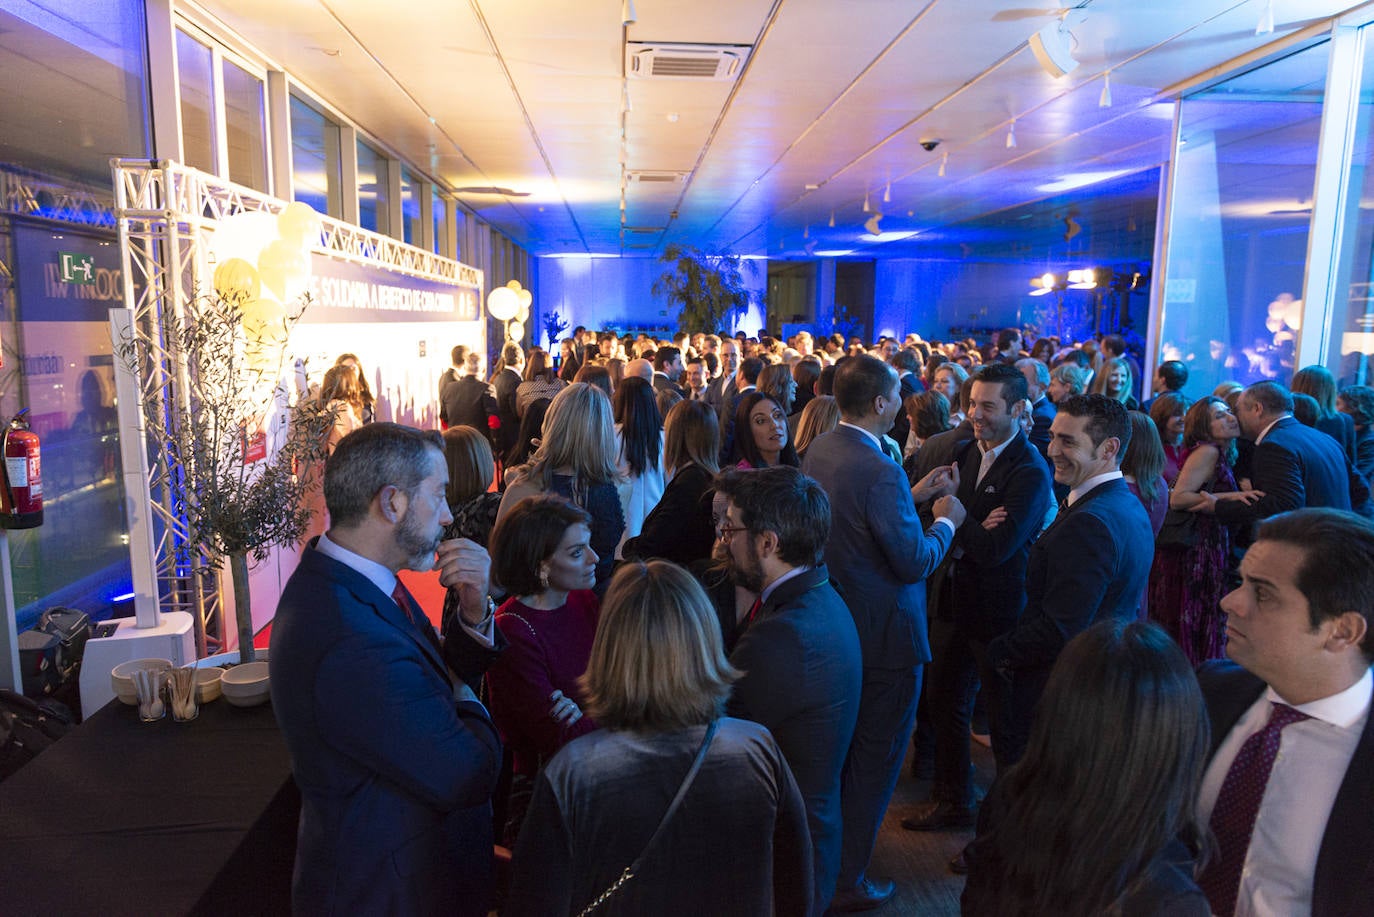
(1187, 584)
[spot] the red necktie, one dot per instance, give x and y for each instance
(753, 611)
(399, 596)
(1233, 817)
(409, 609)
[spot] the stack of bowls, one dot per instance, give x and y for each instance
(208, 684)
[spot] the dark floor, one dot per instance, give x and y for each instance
(917, 860)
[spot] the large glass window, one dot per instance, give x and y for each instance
(1350, 351)
(372, 190)
(195, 69)
(1244, 175)
(315, 161)
(245, 123)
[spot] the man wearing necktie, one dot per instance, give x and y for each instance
(394, 756)
(1287, 791)
(1091, 563)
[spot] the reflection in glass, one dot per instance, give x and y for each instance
(245, 127)
(410, 208)
(196, 92)
(441, 244)
(315, 160)
(1243, 181)
(372, 190)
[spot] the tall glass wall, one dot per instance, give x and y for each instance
(1244, 175)
(372, 189)
(196, 93)
(245, 125)
(1350, 348)
(315, 159)
(75, 95)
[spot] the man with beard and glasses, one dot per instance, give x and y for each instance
(798, 647)
(394, 756)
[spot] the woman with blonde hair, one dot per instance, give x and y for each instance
(680, 528)
(670, 807)
(576, 459)
(341, 395)
(1115, 381)
(820, 416)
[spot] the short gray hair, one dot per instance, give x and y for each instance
(372, 457)
(1042, 372)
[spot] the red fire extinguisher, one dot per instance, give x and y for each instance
(21, 499)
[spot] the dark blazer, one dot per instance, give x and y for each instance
(1044, 413)
(901, 426)
(877, 551)
(940, 449)
(1345, 869)
(661, 382)
(1092, 563)
(1296, 466)
(1340, 427)
(470, 402)
(988, 590)
(679, 528)
(395, 778)
(504, 386)
(1364, 452)
(802, 677)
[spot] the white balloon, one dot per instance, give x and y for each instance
(515, 331)
(503, 303)
(243, 235)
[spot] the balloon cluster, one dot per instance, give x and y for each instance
(511, 304)
(264, 260)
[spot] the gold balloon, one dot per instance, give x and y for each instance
(299, 224)
(523, 315)
(515, 331)
(237, 281)
(526, 299)
(284, 269)
(513, 285)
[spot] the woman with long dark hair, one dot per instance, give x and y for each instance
(761, 436)
(680, 527)
(639, 453)
(363, 406)
(1188, 581)
(539, 381)
(1167, 413)
(1100, 815)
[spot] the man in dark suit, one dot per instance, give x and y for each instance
(721, 391)
(1042, 408)
(1091, 563)
(906, 364)
(394, 759)
(668, 369)
(880, 556)
(1292, 739)
(504, 386)
(985, 590)
(471, 402)
(1292, 465)
(799, 651)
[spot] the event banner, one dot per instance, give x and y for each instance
(342, 291)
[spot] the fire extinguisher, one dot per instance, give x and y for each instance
(21, 499)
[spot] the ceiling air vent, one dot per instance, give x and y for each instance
(647, 60)
(645, 177)
(644, 230)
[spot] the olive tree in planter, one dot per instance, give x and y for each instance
(708, 286)
(234, 497)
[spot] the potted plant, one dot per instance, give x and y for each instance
(236, 461)
(708, 286)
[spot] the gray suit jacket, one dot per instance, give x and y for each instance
(877, 551)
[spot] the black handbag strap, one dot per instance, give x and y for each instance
(633, 868)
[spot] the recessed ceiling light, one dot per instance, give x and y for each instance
(887, 236)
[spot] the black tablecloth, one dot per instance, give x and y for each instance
(124, 817)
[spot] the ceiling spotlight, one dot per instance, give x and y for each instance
(627, 12)
(1043, 284)
(887, 193)
(1266, 23)
(1011, 135)
(867, 209)
(831, 224)
(871, 224)
(1105, 100)
(1053, 45)
(944, 161)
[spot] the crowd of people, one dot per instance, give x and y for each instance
(706, 595)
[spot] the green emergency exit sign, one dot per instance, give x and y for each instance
(76, 267)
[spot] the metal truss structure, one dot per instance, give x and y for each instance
(166, 215)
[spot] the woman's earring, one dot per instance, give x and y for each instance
(544, 577)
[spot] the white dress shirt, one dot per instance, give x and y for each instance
(1276, 880)
(1091, 484)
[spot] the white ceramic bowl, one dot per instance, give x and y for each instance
(246, 685)
(208, 684)
(122, 677)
